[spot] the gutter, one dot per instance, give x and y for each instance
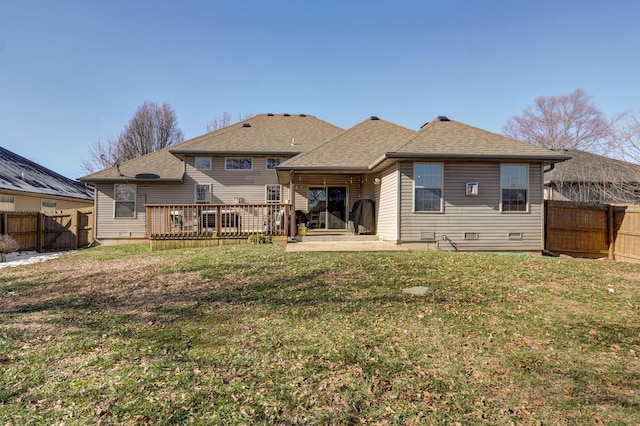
(472, 157)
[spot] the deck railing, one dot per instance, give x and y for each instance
(186, 221)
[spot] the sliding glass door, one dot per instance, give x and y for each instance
(328, 207)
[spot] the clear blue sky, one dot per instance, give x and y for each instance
(74, 72)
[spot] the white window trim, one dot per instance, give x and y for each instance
(135, 201)
(239, 158)
(274, 158)
(195, 162)
(427, 187)
(266, 194)
(195, 193)
(528, 192)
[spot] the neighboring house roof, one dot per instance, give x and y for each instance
(451, 140)
(267, 134)
(587, 167)
(355, 149)
(264, 134)
(17, 174)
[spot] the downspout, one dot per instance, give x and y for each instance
(292, 198)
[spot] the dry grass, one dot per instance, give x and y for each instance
(252, 334)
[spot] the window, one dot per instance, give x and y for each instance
(428, 187)
(125, 200)
(273, 193)
(7, 203)
(47, 205)
(514, 183)
(273, 162)
(203, 194)
(244, 163)
(203, 163)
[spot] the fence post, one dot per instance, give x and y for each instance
(39, 232)
(610, 226)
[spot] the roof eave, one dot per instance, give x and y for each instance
(130, 179)
(211, 152)
(474, 157)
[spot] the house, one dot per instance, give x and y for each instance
(446, 186)
(588, 177)
(27, 186)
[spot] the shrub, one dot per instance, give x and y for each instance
(7, 245)
(259, 239)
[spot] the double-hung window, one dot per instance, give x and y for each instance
(273, 193)
(238, 163)
(125, 199)
(7, 203)
(48, 205)
(273, 162)
(203, 194)
(514, 183)
(428, 187)
(203, 163)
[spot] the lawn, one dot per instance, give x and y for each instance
(254, 335)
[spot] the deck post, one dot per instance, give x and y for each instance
(292, 199)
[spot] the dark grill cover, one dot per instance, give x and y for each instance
(362, 215)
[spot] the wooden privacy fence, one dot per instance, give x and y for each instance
(593, 230)
(57, 230)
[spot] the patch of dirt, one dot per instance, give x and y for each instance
(131, 285)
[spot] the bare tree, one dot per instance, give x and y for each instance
(224, 120)
(151, 128)
(563, 122)
(628, 137)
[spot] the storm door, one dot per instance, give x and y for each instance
(328, 207)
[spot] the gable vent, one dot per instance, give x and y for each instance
(443, 118)
(246, 125)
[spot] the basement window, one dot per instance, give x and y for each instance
(515, 235)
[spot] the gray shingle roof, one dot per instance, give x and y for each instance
(354, 149)
(161, 164)
(264, 134)
(22, 175)
(449, 139)
(593, 168)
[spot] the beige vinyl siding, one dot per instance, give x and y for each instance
(477, 214)
(230, 184)
(387, 207)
